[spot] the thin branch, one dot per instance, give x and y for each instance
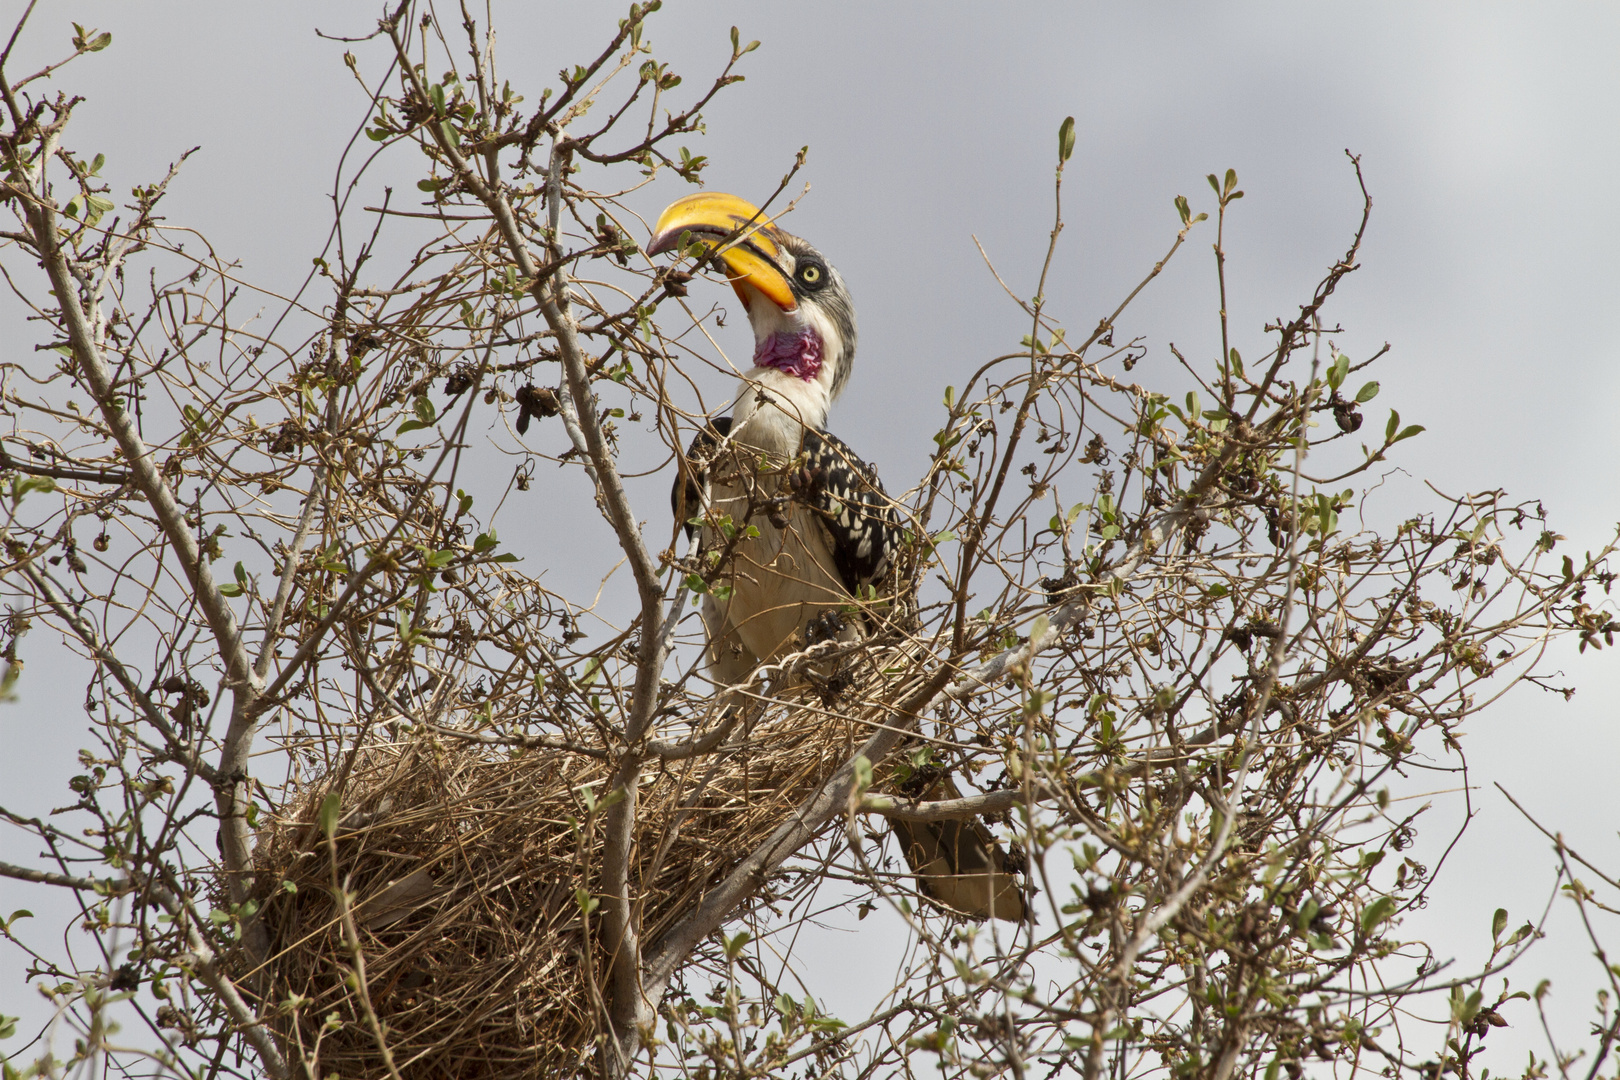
(65, 881)
(59, 472)
(897, 808)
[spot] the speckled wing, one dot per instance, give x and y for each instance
(861, 522)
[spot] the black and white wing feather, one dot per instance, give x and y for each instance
(860, 521)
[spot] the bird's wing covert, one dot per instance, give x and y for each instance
(861, 521)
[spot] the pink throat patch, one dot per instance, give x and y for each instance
(797, 353)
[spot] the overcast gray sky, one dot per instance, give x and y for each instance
(1488, 135)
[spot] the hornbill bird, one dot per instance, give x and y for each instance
(823, 528)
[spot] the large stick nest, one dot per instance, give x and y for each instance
(465, 864)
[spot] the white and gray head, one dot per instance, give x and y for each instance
(797, 303)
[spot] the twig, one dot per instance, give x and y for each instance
(59, 472)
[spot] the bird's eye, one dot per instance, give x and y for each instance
(812, 274)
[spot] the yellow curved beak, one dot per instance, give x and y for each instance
(751, 257)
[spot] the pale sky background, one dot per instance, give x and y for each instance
(1490, 139)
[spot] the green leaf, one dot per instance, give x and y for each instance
(329, 812)
(863, 773)
(1393, 426)
(1408, 431)
(735, 945)
(1065, 139)
(484, 542)
(440, 558)
(585, 901)
(240, 586)
(21, 486)
(1498, 923)
(101, 42)
(1367, 393)
(1183, 210)
(1336, 373)
(1377, 911)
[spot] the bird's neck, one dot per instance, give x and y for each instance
(796, 352)
(775, 407)
(790, 386)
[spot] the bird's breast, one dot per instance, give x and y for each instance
(780, 579)
(774, 409)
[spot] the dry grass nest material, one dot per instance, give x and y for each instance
(463, 862)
